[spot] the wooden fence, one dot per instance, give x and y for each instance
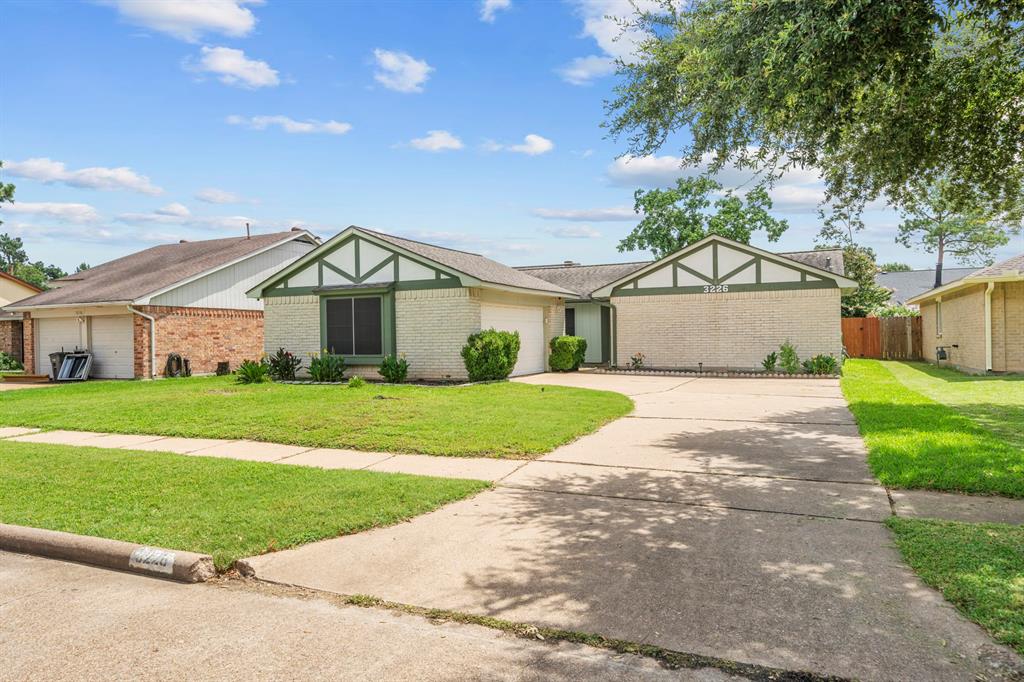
(883, 338)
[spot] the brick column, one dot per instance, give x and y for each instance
(554, 325)
(28, 340)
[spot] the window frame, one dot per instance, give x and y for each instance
(387, 323)
(565, 322)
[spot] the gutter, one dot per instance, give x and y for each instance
(988, 326)
(152, 340)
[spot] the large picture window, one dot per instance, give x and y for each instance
(354, 326)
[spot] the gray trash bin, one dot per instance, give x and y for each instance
(56, 360)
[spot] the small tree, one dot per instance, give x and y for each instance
(859, 263)
(933, 223)
(676, 217)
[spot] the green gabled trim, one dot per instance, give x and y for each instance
(803, 276)
(757, 274)
(339, 271)
(733, 288)
(387, 320)
(296, 291)
(714, 263)
(450, 283)
(675, 275)
(694, 273)
(736, 271)
(357, 242)
(390, 260)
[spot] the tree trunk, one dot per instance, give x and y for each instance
(938, 264)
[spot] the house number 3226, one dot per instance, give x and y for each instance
(716, 288)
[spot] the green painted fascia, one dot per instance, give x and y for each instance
(733, 288)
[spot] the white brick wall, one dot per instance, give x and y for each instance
(431, 329)
(292, 323)
(733, 330)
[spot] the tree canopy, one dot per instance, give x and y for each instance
(869, 298)
(876, 94)
(676, 217)
(894, 266)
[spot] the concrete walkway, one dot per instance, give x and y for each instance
(725, 517)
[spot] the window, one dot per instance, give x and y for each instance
(354, 326)
(570, 322)
(938, 318)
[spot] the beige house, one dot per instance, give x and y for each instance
(714, 304)
(12, 328)
(977, 323)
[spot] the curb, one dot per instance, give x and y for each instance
(186, 567)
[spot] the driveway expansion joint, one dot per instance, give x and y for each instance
(742, 421)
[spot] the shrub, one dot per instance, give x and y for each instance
(490, 354)
(788, 358)
(326, 367)
(636, 360)
(9, 363)
(356, 382)
(897, 311)
(821, 364)
(770, 361)
(394, 370)
(567, 353)
(284, 365)
(252, 372)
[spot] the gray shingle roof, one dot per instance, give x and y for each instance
(472, 264)
(1010, 266)
(153, 269)
(586, 279)
(906, 285)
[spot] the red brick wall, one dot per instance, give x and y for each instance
(11, 339)
(28, 342)
(205, 336)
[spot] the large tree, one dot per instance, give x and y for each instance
(934, 223)
(673, 218)
(876, 94)
(12, 252)
(869, 298)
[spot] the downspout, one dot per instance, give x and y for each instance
(152, 340)
(988, 326)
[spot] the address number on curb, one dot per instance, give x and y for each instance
(716, 288)
(152, 559)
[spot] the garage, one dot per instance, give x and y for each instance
(110, 340)
(55, 334)
(529, 322)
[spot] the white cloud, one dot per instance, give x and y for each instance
(212, 195)
(62, 234)
(490, 8)
(290, 125)
(584, 70)
(188, 20)
(400, 72)
(71, 213)
(437, 141)
(533, 145)
(97, 177)
(177, 214)
(647, 171)
(232, 67)
(615, 214)
(572, 232)
(174, 210)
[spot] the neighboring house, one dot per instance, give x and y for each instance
(364, 294)
(978, 320)
(186, 298)
(911, 283)
(12, 335)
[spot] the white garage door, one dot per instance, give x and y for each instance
(111, 341)
(55, 334)
(529, 322)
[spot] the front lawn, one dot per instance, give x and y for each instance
(226, 508)
(979, 567)
(955, 433)
(501, 419)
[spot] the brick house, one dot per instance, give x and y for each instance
(716, 303)
(12, 335)
(977, 321)
(186, 298)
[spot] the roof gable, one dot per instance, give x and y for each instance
(1009, 270)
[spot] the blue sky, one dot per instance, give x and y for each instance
(475, 125)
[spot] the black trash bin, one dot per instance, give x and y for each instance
(56, 360)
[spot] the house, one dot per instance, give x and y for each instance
(910, 283)
(186, 298)
(12, 335)
(977, 322)
(717, 303)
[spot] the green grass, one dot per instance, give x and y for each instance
(501, 419)
(916, 441)
(979, 567)
(226, 508)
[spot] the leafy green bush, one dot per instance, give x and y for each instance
(567, 353)
(821, 364)
(636, 360)
(897, 311)
(326, 367)
(9, 363)
(490, 354)
(788, 358)
(356, 382)
(770, 361)
(252, 372)
(394, 370)
(284, 365)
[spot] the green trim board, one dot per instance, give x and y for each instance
(387, 320)
(732, 288)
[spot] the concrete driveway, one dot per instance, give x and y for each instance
(733, 518)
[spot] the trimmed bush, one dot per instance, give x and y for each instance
(567, 353)
(326, 367)
(821, 364)
(788, 358)
(394, 370)
(9, 363)
(252, 372)
(490, 355)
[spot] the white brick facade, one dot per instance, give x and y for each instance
(730, 330)
(431, 326)
(963, 325)
(292, 323)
